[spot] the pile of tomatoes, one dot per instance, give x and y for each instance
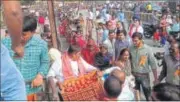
(76, 84)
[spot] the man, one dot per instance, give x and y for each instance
(142, 57)
(12, 12)
(103, 59)
(12, 86)
(90, 51)
(70, 65)
(112, 88)
(110, 42)
(34, 65)
(126, 93)
(135, 26)
(120, 43)
(170, 65)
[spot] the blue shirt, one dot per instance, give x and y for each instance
(105, 35)
(119, 45)
(121, 17)
(12, 83)
(34, 61)
(176, 27)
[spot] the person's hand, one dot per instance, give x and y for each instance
(18, 50)
(37, 81)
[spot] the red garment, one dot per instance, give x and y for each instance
(89, 55)
(41, 20)
(66, 67)
(62, 29)
(80, 40)
(131, 28)
(156, 36)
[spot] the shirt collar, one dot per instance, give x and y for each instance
(31, 41)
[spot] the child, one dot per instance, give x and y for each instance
(156, 37)
(112, 88)
(163, 37)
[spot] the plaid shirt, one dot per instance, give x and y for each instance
(35, 60)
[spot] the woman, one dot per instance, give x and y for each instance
(124, 61)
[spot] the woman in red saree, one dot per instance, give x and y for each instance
(90, 51)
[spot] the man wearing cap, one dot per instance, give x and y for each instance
(135, 26)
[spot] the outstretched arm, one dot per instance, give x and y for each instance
(13, 18)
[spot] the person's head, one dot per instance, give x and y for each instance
(124, 54)
(119, 25)
(174, 49)
(109, 25)
(137, 39)
(165, 92)
(6, 33)
(171, 39)
(119, 74)
(120, 35)
(164, 16)
(90, 44)
(80, 14)
(29, 27)
(136, 20)
(103, 49)
(113, 17)
(74, 52)
(112, 87)
(111, 34)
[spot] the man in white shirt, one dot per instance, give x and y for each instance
(110, 42)
(70, 65)
(127, 83)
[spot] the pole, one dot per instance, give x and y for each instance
(52, 23)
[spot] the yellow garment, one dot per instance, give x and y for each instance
(149, 7)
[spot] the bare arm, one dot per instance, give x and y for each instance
(14, 22)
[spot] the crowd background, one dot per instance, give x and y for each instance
(107, 34)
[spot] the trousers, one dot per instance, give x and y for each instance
(143, 81)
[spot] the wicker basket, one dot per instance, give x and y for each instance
(90, 93)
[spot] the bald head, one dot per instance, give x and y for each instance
(119, 74)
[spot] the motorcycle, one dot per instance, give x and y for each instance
(148, 30)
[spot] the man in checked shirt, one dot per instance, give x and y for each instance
(35, 62)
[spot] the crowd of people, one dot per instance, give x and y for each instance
(122, 59)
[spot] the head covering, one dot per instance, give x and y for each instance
(136, 17)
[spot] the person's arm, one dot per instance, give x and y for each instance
(88, 66)
(53, 72)
(43, 70)
(14, 21)
(152, 62)
(163, 71)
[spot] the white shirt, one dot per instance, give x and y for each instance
(126, 93)
(108, 17)
(110, 45)
(56, 69)
(90, 15)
